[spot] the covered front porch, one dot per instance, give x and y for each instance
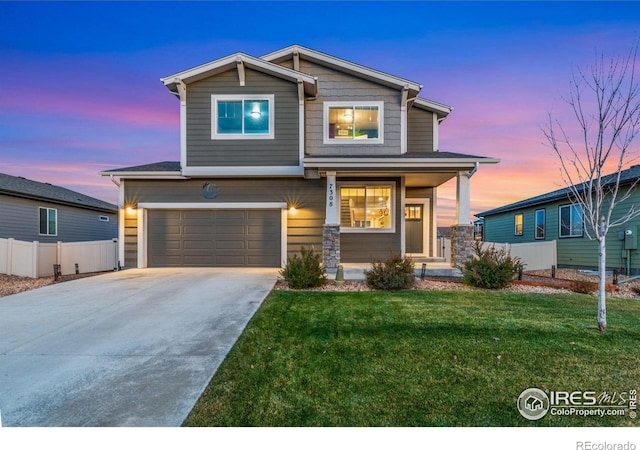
(378, 201)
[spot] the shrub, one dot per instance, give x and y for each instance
(305, 270)
(583, 286)
(393, 274)
(490, 268)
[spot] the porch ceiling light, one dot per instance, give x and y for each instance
(255, 112)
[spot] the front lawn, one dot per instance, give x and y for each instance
(419, 358)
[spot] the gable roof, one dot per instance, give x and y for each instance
(234, 61)
(627, 177)
(439, 109)
(343, 65)
(35, 190)
(363, 72)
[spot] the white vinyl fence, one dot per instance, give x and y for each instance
(534, 255)
(34, 259)
(444, 249)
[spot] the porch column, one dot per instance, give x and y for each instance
(463, 199)
(331, 228)
(331, 216)
(462, 231)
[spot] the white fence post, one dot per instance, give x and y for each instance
(35, 253)
(10, 256)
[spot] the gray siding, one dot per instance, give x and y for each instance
(572, 252)
(338, 86)
(283, 150)
(20, 220)
(420, 131)
(364, 247)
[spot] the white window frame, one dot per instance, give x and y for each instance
(515, 224)
(235, 136)
(48, 233)
(560, 235)
(392, 207)
(352, 104)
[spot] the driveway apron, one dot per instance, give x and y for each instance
(129, 348)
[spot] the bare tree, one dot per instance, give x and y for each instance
(605, 101)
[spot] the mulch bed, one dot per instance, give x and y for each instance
(12, 284)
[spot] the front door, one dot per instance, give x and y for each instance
(414, 228)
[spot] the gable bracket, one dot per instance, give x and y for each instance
(241, 75)
(296, 61)
(182, 89)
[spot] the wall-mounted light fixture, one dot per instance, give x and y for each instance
(130, 209)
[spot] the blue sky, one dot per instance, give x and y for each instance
(81, 89)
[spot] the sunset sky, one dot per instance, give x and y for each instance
(81, 90)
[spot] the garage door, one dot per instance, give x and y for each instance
(213, 238)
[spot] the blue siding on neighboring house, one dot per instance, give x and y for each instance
(572, 251)
(20, 220)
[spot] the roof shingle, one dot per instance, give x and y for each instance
(22, 187)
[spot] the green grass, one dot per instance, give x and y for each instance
(419, 358)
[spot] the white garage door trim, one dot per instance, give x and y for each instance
(144, 206)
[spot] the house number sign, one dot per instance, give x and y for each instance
(210, 190)
(330, 195)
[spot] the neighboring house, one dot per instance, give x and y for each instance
(34, 211)
(552, 216)
(295, 148)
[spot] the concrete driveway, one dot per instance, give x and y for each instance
(130, 348)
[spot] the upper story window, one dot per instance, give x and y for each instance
(366, 207)
(571, 224)
(353, 123)
(242, 116)
(48, 221)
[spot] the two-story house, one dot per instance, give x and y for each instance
(295, 148)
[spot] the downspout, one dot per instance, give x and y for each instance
(114, 181)
(474, 170)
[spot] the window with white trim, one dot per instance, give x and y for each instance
(48, 220)
(518, 222)
(353, 122)
(571, 223)
(242, 116)
(366, 207)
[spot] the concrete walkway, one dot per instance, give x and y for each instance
(130, 348)
(355, 271)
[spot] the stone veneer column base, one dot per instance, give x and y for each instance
(331, 246)
(461, 244)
